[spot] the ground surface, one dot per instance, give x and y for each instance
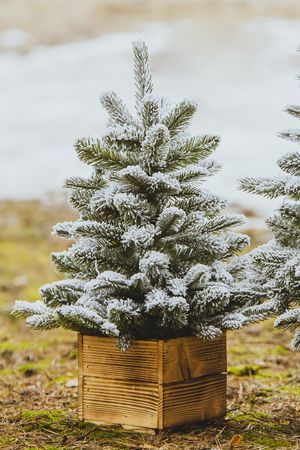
(38, 370)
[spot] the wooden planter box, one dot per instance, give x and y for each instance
(156, 384)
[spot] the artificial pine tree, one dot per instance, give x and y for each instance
(276, 265)
(152, 252)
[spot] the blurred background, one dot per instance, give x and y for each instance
(238, 59)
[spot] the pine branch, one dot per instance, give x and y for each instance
(189, 190)
(236, 243)
(285, 225)
(124, 138)
(93, 183)
(88, 150)
(292, 189)
(64, 265)
(27, 309)
(63, 230)
(135, 178)
(43, 321)
(62, 292)
(155, 148)
(295, 344)
(93, 153)
(268, 187)
(104, 231)
(179, 117)
(289, 319)
(170, 220)
(264, 309)
(197, 171)
(291, 135)
(222, 222)
(290, 163)
(80, 200)
(273, 258)
(81, 318)
(116, 109)
(293, 110)
(191, 151)
(149, 112)
(142, 71)
(209, 204)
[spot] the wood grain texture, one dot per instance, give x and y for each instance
(194, 400)
(121, 402)
(102, 358)
(80, 376)
(191, 357)
(160, 380)
(156, 384)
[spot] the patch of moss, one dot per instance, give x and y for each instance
(62, 379)
(39, 344)
(242, 351)
(6, 440)
(261, 424)
(265, 392)
(266, 442)
(249, 417)
(53, 415)
(73, 354)
(60, 420)
(44, 419)
(30, 369)
(7, 346)
(48, 447)
(22, 345)
(292, 389)
(51, 447)
(279, 350)
(99, 432)
(281, 376)
(6, 372)
(244, 370)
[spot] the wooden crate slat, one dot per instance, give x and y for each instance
(102, 358)
(190, 357)
(117, 401)
(194, 400)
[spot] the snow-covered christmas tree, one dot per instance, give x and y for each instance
(276, 264)
(152, 257)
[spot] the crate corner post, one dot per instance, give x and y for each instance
(80, 376)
